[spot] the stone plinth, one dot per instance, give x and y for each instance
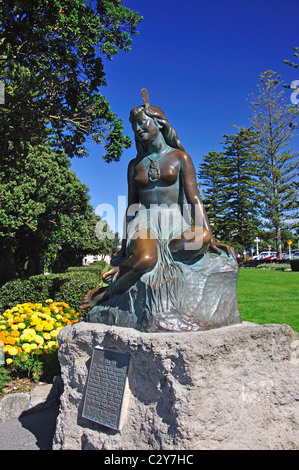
(235, 387)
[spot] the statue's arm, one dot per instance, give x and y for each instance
(133, 198)
(198, 212)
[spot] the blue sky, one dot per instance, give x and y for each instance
(200, 61)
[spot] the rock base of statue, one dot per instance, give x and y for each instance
(234, 387)
(184, 296)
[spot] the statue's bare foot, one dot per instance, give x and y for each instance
(91, 297)
(109, 275)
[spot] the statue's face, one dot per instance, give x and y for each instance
(145, 127)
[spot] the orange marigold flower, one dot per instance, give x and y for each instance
(3, 334)
(15, 333)
(9, 340)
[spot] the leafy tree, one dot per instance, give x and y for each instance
(272, 119)
(52, 56)
(44, 213)
(295, 54)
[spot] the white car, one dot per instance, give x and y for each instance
(267, 255)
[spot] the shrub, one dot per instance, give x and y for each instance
(97, 267)
(4, 378)
(295, 264)
(274, 266)
(29, 333)
(69, 287)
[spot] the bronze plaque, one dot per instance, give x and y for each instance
(105, 387)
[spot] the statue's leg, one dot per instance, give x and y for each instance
(143, 256)
(191, 243)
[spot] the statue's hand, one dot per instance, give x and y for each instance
(218, 248)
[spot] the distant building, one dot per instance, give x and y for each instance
(88, 259)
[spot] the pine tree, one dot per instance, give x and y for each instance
(211, 173)
(241, 205)
(273, 119)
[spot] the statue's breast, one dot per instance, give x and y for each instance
(164, 175)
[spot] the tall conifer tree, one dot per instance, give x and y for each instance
(213, 192)
(273, 117)
(241, 205)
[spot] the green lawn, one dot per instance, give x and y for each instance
(269, 296)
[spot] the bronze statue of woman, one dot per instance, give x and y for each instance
(158, 237)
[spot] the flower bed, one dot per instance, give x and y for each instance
(29, 332)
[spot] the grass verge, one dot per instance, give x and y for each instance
(266, 296)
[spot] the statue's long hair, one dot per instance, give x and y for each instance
(167, 131)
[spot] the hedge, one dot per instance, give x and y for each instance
(295, 264)
(95, 268)
(68, 287)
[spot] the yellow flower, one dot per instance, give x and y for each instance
(21, 326)
(9, 361)
(14, 327)
(17, 319)
(29, 331)
(47, 336)
(49, 301)
(54, 333)
(39, 327)
(47, 326)
(12, 351)
(39, 340)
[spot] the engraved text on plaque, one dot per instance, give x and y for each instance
(105, 387)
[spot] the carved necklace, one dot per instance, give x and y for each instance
(154, 172)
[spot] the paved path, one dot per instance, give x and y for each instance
(33, 431)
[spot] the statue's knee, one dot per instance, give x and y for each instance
(200, 236)
(206, 236)
(146, 262)
(144, 252)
